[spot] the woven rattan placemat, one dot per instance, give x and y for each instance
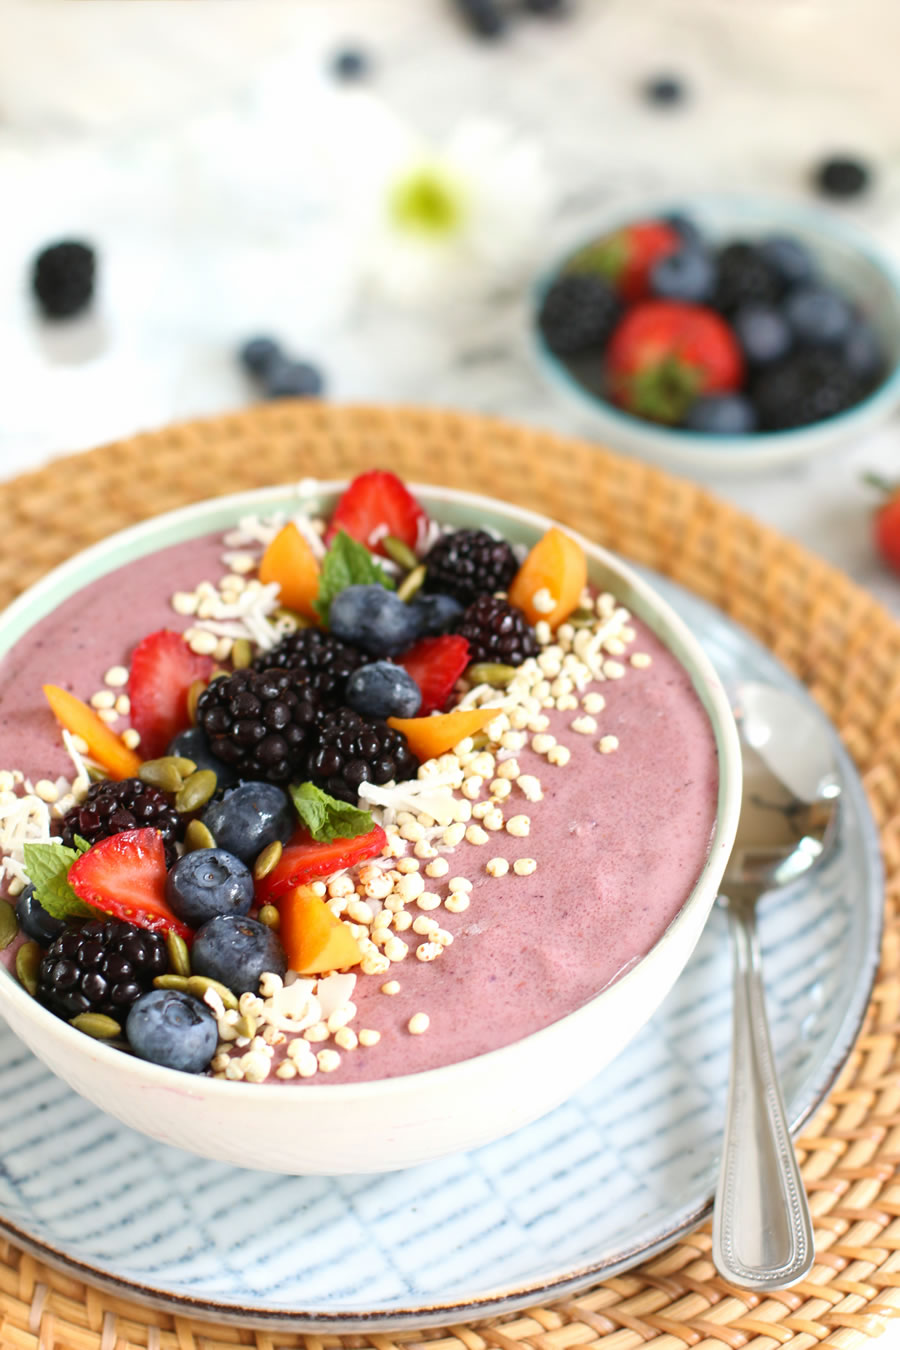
(829, 632)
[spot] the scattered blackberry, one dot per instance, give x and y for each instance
(350, 750)
(497, 631)
(841, 176)
(102, 966)
(805, 387)
(469, 563)
(63, 278)
(325, 660)
(664, 90)
(259, 721)
(483, 17)
(744, 277)
(578, 314)
(111, 808)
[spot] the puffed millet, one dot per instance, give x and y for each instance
(476, 835)
(340, 1017)
(425, 850)
(585, 726)
(559, 755)
(234, 1071)
(345, 1039)
(412, 831)
(443, 937)
(471, 788)
(539, 723)
(454, 834)
(641, 660)
(368, 1036)
(459, 884)
(613, 670)
(402, 921)
(256, 1067)
(542, 630)
(543, 742)
(423, 925)
(429, 951)
(518, 718)
(298, 1049)
(286, 1069)
(614, 646)
(497, 867)
(607, 744)
(500, 788)
(317, 1032)
(508, 768)
(328, 1060)
(481, 809)
(439, 868)
(457, 902)
(203, 643)
(375, 965)
(513, 740)
(523, 867)
(359, 912)
(47, 791)
(307, 1068)
(566, 703)
(428, 900)
(116, 677)
(519, 826)
(391, 987)
(593, 703)
(493, 820)
(462, 810)
(108, 715)
(185, 602)
(395, 949)
(530, 786)
(410, 886)
(123, 705)
(418, 1023)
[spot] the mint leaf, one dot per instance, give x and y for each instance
(48, 866)
(80, 843)
(326, 818)
(347, 563)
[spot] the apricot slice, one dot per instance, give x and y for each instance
(314, 939)
(290, 561)
(103, 745)
(555, 569)
(430, 736)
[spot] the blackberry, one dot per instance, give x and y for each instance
(744, 277)
(102, 966)
(63, 278)
(325, 660)
(578, 314)
(805, 387)
(469, 563)
(350, 750)
(259, 721)
(497, 631)
(664, 90)
(111, 808)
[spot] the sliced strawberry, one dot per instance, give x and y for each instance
(436, 663)
(627, 257)
(376, 504)
(305, 860)
(125, 876)
(163, 668)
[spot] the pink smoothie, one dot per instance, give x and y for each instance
(619, 838)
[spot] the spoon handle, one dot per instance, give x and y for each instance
(762, 1230)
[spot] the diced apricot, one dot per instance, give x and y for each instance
(103, 744)
(430, 736)
(290, 561)
(557, 567)
(314, 939)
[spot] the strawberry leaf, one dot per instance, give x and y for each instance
(48, 866)
(347, 563)
(326, 818)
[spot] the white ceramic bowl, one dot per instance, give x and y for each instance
(315, 1128)
(847, 256)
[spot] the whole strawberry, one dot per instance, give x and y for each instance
(887, 520)
(664, 354)
(625, 258)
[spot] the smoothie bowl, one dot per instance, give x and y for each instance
(345, 827)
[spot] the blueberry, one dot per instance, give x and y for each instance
(249, 817)
(842, 176)
(172, 1029)
(236, 951)
(34, 920)
(688, 229)
(374, 619)
(862, 351)
(483, 17)
(292, 379)
(721, 415)
(791, 260)
(689, 274)
(208, 882)
(350, 63)
(818, 316)
(192, 744)
(557, 8)
(664, 90)
(436, 613)
(763, 332)
(383, 690)
(259, 354)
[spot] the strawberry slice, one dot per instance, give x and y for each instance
(436, 663)
(163, 668)
(125, 876)
(375, 504)
(305, 860)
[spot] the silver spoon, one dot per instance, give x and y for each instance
(762, 1230)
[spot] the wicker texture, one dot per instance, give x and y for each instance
(829, 632)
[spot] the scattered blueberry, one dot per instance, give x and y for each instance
(842, 176)
(208, 882)
(374, 619)
(483, 17)
(789, 259)
(383, 690)
(192, 744)
(664, 90)
(683, 224)
(763, 332)
(817, 316)
(63, 278)
(34, 920)
(172, 1029)
(721, 415)
(259, 354)
(236, 951)
(247, 818)
(862, 351)
(688, 275)
(556, 8)
(292, 379)
(436, 613)
(350, 63)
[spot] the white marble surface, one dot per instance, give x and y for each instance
(197, 145)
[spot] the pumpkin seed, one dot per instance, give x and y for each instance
(241, 654)
(197, 836)
(196, 688)
(412, 583)
(291, 617)
(9, 925)
(96, 772)
(161, 773)
(196, 791)
(98, 1025)
(401, 553)
(246, 1025)
(269, 916)
(179, 956)
(490, 672)
(28, 958)
(269, 858)
(179, 982)
(582, 618)
(184, 766)
(198, 985)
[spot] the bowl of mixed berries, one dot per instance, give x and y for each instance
(723, 334)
